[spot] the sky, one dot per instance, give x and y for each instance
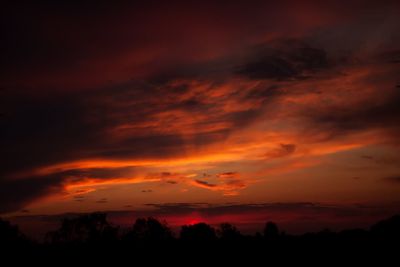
(193, 111)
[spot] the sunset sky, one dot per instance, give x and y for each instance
(192, 111)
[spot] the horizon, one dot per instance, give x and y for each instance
(187, 111)
(93, 237)
(290, 222)
(53, 223)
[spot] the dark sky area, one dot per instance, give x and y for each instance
(240, 111)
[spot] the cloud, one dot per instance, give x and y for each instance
(73, 182)
(169, 177)
(16, 194)
(126, 38)
(227, 175)
(387, 160)
(121, 93)
(79, 198)
(147, 191)
(217, 208)
(80, 192)
(175, 208)
(125, 122)
(204, 183)
(283, 150)
(102, 201)
(380, 113)
(229, 187)
(392, 179)
(264, 92)
(287, 60)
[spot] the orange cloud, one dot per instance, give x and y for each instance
(227, 175)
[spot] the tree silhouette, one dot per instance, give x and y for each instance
(200, 232)
(227, 232)
(10, 234)
(89, 228)
(387, 229)
(149, 230)
(93, 236)
(271, 231)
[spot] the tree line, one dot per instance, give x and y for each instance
(93, 233)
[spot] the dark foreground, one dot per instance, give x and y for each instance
(92, 239)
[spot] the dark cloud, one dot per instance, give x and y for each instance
(375, 114)
(43, 130)
(282, 151)
(71, 40)
(230, 186)
(233, 208)
(76, 175)
(382, 159)
(283, 207)
(392, 179)
(79, 198)
(15, 194)
(287, 60)
(269, 67)
(205, 183)
(176, 208)
(289, 148)
(244, 118)
(263, 91)
(158, 145)
(167, 177)
(392, 56)
(102, 201)
(147, 191)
